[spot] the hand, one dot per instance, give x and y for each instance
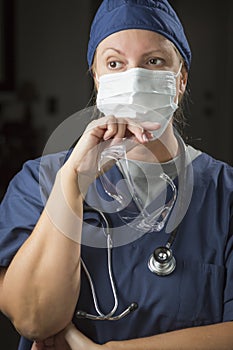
(56, 342)
(104, 129)
(69, 339)
(102, 133)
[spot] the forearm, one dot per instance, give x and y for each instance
(213, 337)
(78, 341)
(41, 286)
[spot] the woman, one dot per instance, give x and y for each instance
(133, 44)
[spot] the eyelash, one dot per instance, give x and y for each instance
(155, 59)
(119, 64)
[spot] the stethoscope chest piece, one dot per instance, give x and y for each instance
(162, 261)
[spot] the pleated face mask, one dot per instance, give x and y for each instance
(140, 94)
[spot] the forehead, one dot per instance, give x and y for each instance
(145, 40)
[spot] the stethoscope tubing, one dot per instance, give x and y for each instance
(100, 315)
(109, 258)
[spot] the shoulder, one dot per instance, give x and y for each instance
(213, 174)
(52, 162)
(36, 175)
(24, 201)
(207, 165)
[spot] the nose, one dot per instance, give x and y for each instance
(134, 63)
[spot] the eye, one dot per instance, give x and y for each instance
(155, 61)
(114, 65)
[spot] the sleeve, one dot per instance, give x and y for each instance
(228, 293)
(24, 202)
(19, 211)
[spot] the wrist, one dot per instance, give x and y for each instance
(75, 181)
(77, 340)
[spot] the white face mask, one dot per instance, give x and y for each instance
(140, 94)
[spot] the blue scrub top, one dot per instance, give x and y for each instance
(199, 291)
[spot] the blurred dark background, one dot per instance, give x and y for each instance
(44, 79)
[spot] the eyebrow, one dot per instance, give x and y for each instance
(154, 52)
(122, 53)
(112, 48)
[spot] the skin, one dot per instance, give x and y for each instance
(38, 312)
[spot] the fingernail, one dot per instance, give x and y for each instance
(151, 135)
(145, 138)
(106, 138)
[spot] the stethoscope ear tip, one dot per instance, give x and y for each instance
(133, 306)
(81, 314)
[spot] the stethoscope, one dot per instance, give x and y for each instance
(161, 262)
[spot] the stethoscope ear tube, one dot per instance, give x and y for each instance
(82, 314)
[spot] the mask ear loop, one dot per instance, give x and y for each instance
(97, 77)
(179, 70)
(176, 76)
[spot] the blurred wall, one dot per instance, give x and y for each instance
(52, 74)
(51, 77)
(209, 27)
(51, 53)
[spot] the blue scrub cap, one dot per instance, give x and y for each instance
(155, 15)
